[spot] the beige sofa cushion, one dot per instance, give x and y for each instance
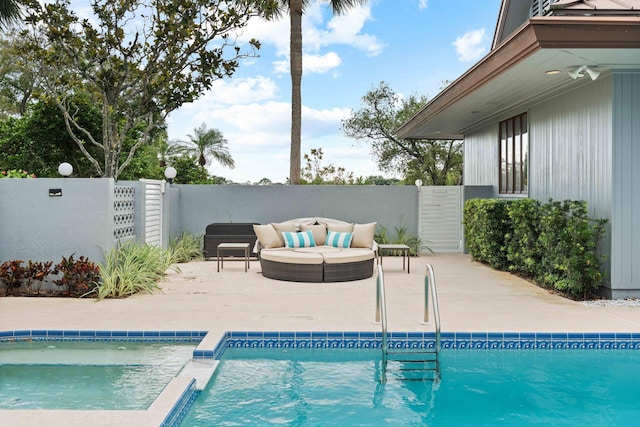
(289, 256)
(318, 249)
(336, 225)
(319, 232)
(268, 236)
(363, 235)
(340, 228)
(348, 255)
(284, 226)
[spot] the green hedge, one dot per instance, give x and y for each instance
(553, 244)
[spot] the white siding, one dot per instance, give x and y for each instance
(570, 147)
(481, 157)
(625, 229)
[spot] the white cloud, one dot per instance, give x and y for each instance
(318, 64)
(423, 4)
(470, 45)
(339, 30)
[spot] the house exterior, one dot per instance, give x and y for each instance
(553, 112)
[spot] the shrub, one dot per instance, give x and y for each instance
(522, 247)
(186, 247)
(12, 275)
(132, 267)
(35, 275)
(16, 173)
(79, 277)
(569, 242)
(554, 244)
(486, 225)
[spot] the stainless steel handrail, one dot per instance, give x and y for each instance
(430, 285)
(381, 313)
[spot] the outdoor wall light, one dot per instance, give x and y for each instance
(170, 173)
(579, 72)
(418, 183)
(65, 169)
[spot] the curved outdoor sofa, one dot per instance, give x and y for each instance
(316, 250)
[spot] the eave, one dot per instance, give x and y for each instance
(513, 74)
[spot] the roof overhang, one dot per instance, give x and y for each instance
(515, 73)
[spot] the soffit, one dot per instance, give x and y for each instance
(514, 75)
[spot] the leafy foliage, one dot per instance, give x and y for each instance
(206, 144)
(133, 267)
(435, 162)
(14, 173)
(186, 247)
(486, 225)
(79, 277)
(554, 244)
(12, 274)
(314, 172)
(135, 74)
(35, 275)
(401, 237)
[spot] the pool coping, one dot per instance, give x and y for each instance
(173, 403)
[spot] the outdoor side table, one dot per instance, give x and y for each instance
(233, 247)
(401, 248)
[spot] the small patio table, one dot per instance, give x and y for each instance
(230, 247)
(396, 247)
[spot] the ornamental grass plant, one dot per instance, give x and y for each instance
(133, 267)
(186, 247)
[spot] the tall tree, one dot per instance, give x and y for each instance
(435, 162)
(139, 60)
(296, 9)
(18, 80)
(207, 144)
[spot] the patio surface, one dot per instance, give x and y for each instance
(472, 297)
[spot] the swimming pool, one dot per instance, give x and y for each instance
(396, 402)
(486, 379)
(92, 375)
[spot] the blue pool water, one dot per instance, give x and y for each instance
(87, 374)
(478, 387)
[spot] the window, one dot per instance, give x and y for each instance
(514, 144)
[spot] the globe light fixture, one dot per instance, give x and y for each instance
(170, 173)
(65, 169)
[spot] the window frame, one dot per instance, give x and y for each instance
(513, 137)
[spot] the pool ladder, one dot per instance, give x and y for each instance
(417, 364)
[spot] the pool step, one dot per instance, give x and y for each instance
(413, 365)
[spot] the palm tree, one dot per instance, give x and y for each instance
(296, 9)
(165, 149)
(9, 12)
(205, 144)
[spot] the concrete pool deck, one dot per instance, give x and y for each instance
(472, 298)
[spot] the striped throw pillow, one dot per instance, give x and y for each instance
(338, 240)
(298, 240)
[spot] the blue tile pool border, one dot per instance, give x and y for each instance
(348, 339)
(408, 340)
(101, 335)
(345, 340)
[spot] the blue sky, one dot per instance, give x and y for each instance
(412, 45)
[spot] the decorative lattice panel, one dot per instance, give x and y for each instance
(124, 212)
